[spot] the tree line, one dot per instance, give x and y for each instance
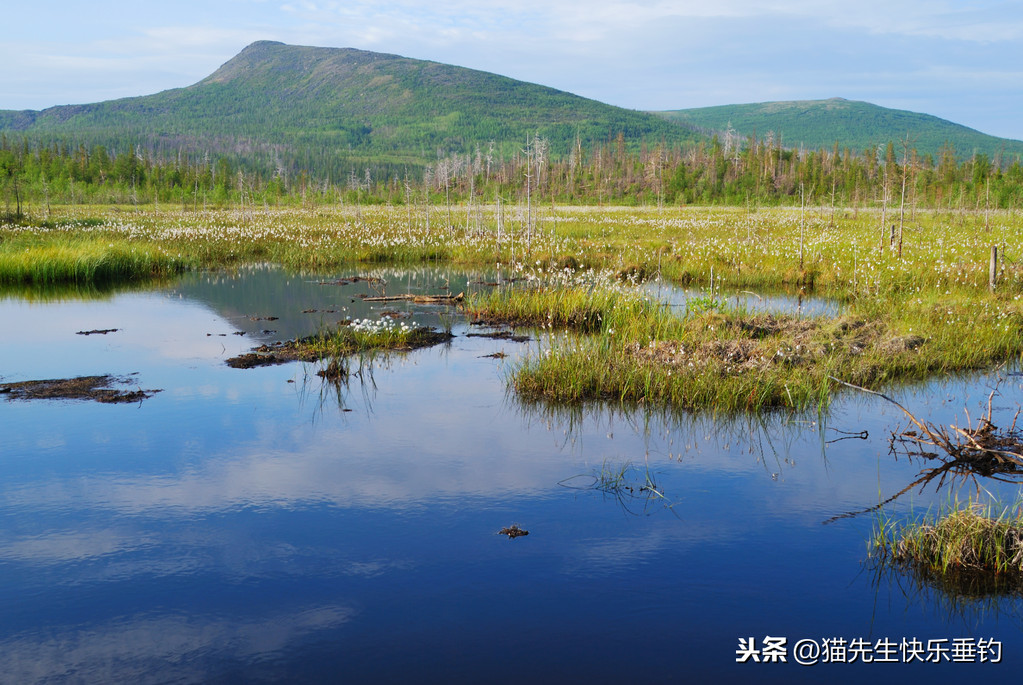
(724, 170)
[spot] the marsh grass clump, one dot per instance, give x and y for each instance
(964, 545)
(362, 336)
(578, 309)
(612, 478)
(625, 347)
(631, 349)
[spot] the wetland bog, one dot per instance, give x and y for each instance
(272, 523)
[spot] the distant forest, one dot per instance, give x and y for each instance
(732, 171)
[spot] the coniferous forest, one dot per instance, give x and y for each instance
(731, 172)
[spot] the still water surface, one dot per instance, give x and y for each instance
(260, 525)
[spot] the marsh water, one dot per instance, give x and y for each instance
(264, 525)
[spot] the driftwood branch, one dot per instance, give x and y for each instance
(966, 453)
(908, 413)
(983, 448)
(417, 299)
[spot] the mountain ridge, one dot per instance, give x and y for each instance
(312, 104)
(327, 111)
(853, 123)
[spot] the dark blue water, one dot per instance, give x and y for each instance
(262, 526)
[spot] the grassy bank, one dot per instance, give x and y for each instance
(42, 260)
(839, 254)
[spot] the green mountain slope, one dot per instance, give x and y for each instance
(319, 109)
(856, 125)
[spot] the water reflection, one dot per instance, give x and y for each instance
(975, 454)
(72, 292)
(268, 303)
(966, 598)
(171, 648)
(796, 304)
(769, 440)
(266, 523)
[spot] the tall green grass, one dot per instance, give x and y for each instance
(83, 260)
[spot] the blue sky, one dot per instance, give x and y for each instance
(957, 59)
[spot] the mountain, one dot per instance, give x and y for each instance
(325, 109)
(856, 125)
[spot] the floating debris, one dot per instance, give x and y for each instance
(94, 388)
(98, 331)
(513, 531)
(983, 449)
(353, 279)
(250, 360)
(964, 453)
(500, 335)
(417, 299)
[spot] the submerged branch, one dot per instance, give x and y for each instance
(965, 452)
(417, 299)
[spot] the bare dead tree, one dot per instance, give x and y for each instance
(906, 142)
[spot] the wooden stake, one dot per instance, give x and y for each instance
(992, 272)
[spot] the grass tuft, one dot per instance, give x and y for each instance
(964, 542)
